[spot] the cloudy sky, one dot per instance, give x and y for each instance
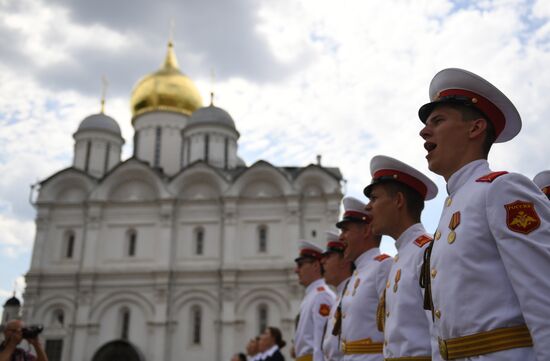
(343, 79)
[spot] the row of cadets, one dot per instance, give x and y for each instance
(396, 199)
(338, 271)
(487, 281)
(360, 337)
(315, 306)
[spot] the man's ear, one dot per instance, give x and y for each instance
(477, 127)
(399, 200)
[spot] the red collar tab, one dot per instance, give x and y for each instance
(422, 240)
(320, 289)
(404, 178)
(485, 105)
(488, 178)
(381, 257)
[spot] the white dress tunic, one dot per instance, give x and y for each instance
(360, 303)
(490, 262)
(331, 343)
(314, 312)
(407, 327)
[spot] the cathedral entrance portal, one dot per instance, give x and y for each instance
(118, 350)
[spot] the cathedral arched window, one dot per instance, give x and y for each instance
(107, 154)
(158, 144)
(131, 242)
(263, 317)
(87, 157)
(124, 323)
(58, 317)
(68, 247)
(199, 240)
(226, 153)
(206, 147)
(196, 321)
(262, 239)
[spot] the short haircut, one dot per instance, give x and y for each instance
(415, 201)
(470, 112)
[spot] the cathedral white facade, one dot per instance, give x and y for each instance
(181, 252)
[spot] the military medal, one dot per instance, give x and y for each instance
(453, 223)
(397, 278)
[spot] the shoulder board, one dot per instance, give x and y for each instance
(381, 257)
(320, 289)
(488, 178)
(422, 240)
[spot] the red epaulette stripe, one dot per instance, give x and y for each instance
(422, 240)
(381, 257)
(488, 178)
(320, 289)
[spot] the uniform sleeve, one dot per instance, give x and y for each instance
(519, 218)
(321, 310)
(382, 276)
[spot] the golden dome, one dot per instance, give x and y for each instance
(166, 89)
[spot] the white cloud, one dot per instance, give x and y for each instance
(357, 73)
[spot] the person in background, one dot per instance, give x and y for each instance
(13, 335)
(397, 193)
(252, 349)
(272, 341)
(542, 180)
(315, 306)
(361, 339)
(337, 273)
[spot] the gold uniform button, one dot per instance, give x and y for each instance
(388, 314)
(438, 314)
(396, 258)
(434, 272)
(448, 201)
(437, 235)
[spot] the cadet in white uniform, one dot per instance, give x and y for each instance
(490, 259)
(337, 273)
(361, 339)
(397, 194)
(315, 306)
(542, 180)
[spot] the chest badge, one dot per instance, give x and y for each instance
(521, 217)
(453, 223)
(397, 279)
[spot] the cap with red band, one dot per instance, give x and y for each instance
(354, 211)
(542, 180)
(334, 244)
(309, 250)
(463, 87)
(387, 169)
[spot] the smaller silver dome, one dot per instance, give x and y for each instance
(211, 115)
(100, 121)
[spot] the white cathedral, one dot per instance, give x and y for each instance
(181, 252)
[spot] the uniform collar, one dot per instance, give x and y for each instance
(477, 168)
(363, 259)
(319, 283)
(271, 351)
(409, 235)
